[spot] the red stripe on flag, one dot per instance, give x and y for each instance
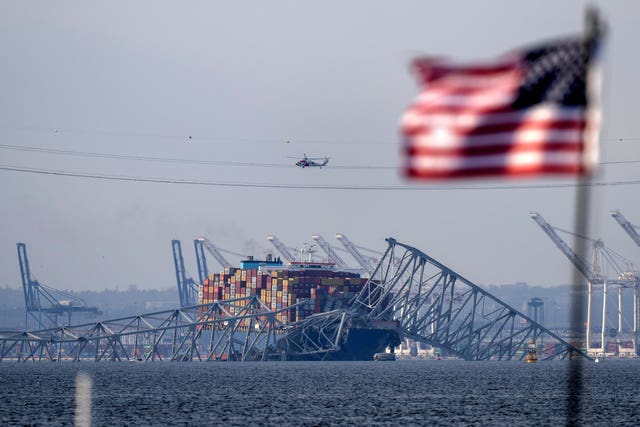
(431, 69)
(488, 172)
(474, 87)
(498, 127)
(461, 109)
(547, 146)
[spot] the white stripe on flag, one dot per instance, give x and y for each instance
(442, 138)
(512, 160)
(413, 118)
(483, 99)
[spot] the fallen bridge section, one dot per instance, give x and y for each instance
(240, 329)
(437, 306)
(409, 295)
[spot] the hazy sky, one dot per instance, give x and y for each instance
(233, 82)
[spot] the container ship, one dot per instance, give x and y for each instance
(325, 290)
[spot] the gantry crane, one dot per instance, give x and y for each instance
(56, 302)
(284, 251)
(581, 264)
(330, 251)
(187, 287)
(626, 273)
(365, 262)
(203, 270)
(631, 229)
(627, 277)
(216, 252)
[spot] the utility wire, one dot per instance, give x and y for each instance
(136, 157)
(89, 154)
(234, 139)
(10, 168)
(191, 138)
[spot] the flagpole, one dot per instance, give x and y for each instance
(579, 285)
(582, 213)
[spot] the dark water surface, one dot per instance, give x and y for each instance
(320, 393)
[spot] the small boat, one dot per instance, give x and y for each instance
(384, 357)
(532, 352)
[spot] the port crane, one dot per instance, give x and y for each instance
(631, 229)
(284, 251)
(43, 303)
(330, 251)
(369, 264)
(203, 270)
(187, 287)
(216, 252)
(627, 277)
(602, 256)
(583, 266)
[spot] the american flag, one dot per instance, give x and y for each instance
(528, 112)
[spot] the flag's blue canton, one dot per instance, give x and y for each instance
(555, 73)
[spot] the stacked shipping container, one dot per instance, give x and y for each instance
(325, 289)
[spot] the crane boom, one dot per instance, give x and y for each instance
(627, 226)
(281, 248)
(187, 288)
(238, 254)
(582, 266)
(56, 302)
(331, 253)
(32, 302)
(215, 252)
(203, 271)
(349, 246)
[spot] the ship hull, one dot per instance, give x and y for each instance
(359, 344)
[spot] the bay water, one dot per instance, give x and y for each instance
(404, 392)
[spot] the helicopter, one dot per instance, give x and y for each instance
(311, 162)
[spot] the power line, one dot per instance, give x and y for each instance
(190, 137)
(89, 154)
(136, 157)
(156, 180)
(234, 139)
(619, 162)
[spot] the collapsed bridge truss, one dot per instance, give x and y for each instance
(425, 300)
(240, 329)
(437, 306)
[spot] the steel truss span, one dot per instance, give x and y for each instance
(318, 335)
(242, 329)
(437, 306)
(409, 295)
